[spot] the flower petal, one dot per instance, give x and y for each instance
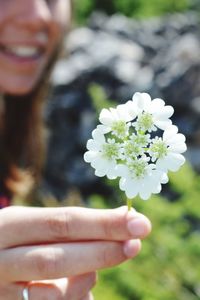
(111, 171)
(156, 104)
(92, 145)
(131, 109)
(178, 148)
(98, 135)
(164, 178)
(145, 190)
(141, 101)
(165, 112)
(169, 132)
(103, 128)
(124, 112)
(172, 162)
(129, 186)
(122, 182)
(122, 170)
(162, 124)
(106, 117)
(176, 138)
(100, 173)
(146, 100)
(99, 162)
(89, 156)
(131, 190)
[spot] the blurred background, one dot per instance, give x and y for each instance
(116, 48)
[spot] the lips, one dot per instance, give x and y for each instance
(24, 55)
(25, 48)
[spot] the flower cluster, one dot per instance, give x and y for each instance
(124, 145)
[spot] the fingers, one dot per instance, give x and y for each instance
(63, 260)
(72, 289)
(44, 225)
(79, 286)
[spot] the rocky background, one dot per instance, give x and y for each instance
(160, 56)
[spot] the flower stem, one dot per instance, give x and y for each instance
(129, 204)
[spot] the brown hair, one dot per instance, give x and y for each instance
(22, 149)
(22, 141)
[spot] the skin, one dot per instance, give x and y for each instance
(23, 23)
(39, 244)
(55, 251)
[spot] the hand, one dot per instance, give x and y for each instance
(39, 244)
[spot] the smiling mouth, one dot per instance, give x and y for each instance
(22, 52)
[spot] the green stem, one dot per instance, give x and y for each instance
(129, 204)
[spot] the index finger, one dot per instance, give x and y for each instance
(28, 225)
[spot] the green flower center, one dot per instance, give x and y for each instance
(141, 140)
(110, 151)
(120, 128)
(138, 168)
(132, 149)
(159, 149)
(145, 121)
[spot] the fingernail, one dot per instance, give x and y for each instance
(132, 248)
(139, 227)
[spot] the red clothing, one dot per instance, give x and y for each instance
(4, 201)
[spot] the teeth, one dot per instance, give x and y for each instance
(23, 51)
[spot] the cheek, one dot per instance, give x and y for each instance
(60, 25)
(62, 15)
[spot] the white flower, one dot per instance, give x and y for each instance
(102, 155)
(173, 144)
(116, 120)
(122, 146)
(131, 150)
(139, 139)
(140, 178)
(151, 113)
(158, 149)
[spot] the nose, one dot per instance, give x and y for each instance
(33, 13)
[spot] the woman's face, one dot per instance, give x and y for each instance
(30, 31)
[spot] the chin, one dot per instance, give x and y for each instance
(19, 92)
(21, 88)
